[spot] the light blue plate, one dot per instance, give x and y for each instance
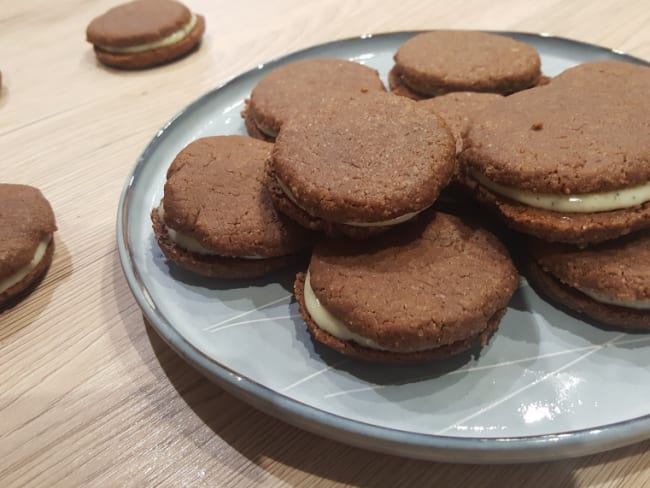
(547, 386)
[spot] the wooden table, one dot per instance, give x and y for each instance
(89, 395)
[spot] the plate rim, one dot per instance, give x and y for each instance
(432, 447)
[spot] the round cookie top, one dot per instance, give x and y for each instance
(214, 193)
(619, 268)
(26, 220)
(586, 132)
(369, 158)
(138, 22)
(432, 282)
(442, 61)
(298, 87)
(456, 108)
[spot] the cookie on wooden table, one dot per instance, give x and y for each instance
(609, 282)
(569, 161)
(360, 165)
(429, 290)
(26, 245)
(145, 33)
(443, 61)
(216, 219)
(299, 87)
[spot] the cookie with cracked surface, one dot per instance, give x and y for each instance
(438, 62)
(609, 282)
(216, 218)
(299, 87)
(371, 161)
(567, 161)
(27, 225)
(431, 289)
(145, 33)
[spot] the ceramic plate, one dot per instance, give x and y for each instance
(547, 386)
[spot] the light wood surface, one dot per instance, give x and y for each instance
(89, 395)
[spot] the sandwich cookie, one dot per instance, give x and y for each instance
(26, 244)
(609, 282)
(432, 289)
(456, 109)
(439, 62)
(145, 33)
(360, 165)
(568, 161)
(216, 218)
(299, 87)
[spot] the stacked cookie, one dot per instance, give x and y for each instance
(360, 165)
(216, 219)
(298, 88)
(570, 163)
(428, 289)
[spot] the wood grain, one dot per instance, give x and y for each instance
(90, 396)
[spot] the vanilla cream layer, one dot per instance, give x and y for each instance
(189, 243)
(18, 276)
(172, 38)
(324, 319)
(395, 221)
(580, 203)
(608, 300)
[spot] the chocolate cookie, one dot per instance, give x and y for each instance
(457, 108)
(432, 289)
(360, 165)
(299, 87)
(568, 161)
(26, 244)
(145, 33)
(216, 218)
(609, 282)
(439, 62)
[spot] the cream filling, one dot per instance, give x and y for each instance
(324, 319)
(172, 38)
(330, 324)
(580, 203)
(397, 220)
(18, 276)
(189, 243)
(608, 300)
